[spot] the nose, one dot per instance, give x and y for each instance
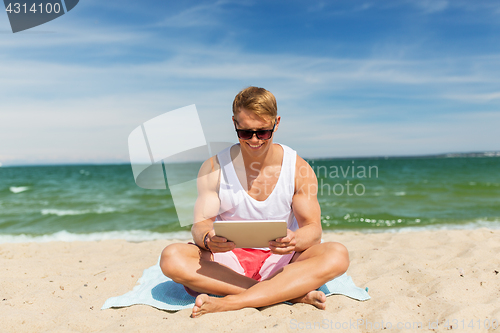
(254, 135)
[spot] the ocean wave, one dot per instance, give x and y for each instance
(142, 235)
(477, 224)
(61, 212)
(65, 236)
(18, 189)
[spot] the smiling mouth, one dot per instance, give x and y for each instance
(255, 147)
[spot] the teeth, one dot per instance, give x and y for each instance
(254, 146)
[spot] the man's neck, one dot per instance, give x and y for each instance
(259, 162)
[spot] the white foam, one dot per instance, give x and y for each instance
(62, 212)
(65, 236)
(18, 189)
(104, 210)
(495, 225)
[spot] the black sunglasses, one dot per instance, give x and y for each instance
(248, 134)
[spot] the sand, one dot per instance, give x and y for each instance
(418, 281)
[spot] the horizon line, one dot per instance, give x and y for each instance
(488, 153)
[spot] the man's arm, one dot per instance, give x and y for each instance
(207, 207)
(306, 210)
(306, 207)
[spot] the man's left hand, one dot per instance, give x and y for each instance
(284, 245)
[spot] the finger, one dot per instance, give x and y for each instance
(227, 245)
(222, 246)
(218, 239)
(283, 239)
(282, 251)
(278, 244)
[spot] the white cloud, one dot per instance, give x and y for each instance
(65, 110)
(436, 134)
(206, 14)
(475, 98)
(431, 6)
(85, 113)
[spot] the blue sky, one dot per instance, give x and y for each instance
(352, 78)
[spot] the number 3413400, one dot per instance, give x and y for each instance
(40, 8)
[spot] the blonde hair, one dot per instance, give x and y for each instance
(258, 100)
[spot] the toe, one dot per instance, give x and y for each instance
(198, 303)
(322, 297)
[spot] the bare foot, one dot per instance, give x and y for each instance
(316, 298)
(206, 304)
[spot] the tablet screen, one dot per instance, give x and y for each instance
(250, 233)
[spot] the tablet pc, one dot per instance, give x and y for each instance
(250, 233)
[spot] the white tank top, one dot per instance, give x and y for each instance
(237, 205)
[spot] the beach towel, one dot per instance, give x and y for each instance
(159, 291)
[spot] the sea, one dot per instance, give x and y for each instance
(382, 194)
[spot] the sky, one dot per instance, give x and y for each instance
(352, 78)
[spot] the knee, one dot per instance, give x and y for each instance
(170, 261)
(338, 259)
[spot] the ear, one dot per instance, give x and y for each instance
(278, 119)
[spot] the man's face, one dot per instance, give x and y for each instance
(247, 120)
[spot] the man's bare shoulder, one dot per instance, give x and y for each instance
(304, 174)
(303, 169)
(209, 166)
(208, 176)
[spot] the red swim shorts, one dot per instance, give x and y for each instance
(257, 264)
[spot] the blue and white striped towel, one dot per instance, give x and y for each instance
(157, 290)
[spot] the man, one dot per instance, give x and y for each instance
(255, 180)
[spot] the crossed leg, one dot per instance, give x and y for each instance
(296, 282)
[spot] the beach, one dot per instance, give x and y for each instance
(417, 280)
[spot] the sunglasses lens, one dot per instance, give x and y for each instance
(245, 135)
(264, 135)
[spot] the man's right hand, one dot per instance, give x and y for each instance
(219, 244)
